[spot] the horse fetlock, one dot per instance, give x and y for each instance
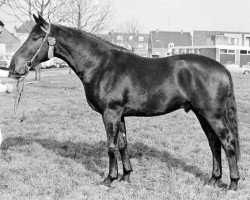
(125, 178)
(112, 150)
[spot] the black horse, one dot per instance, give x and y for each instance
(120, 84)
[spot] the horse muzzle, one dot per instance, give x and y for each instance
(18, 75)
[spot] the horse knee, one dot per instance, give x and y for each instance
(230, 149)
(122, 142)
(112, 149)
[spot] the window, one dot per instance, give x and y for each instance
(183, 51)
(231, 41)
(191, 50)
(119, 38)
(176, 51)
(140, 46)
(223, 50)
(141, 39)
(243, 51)
(170, 45)
(236, 41)
(231, 51)
(197, 51)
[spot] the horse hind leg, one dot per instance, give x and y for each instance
(215, 145)
(122, 146)
(228, 142)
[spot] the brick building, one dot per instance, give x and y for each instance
(223, 46)
(161, 42)
(136, 42)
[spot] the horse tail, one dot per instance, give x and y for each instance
(231, 117)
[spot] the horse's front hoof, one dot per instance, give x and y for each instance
(125, 178)
(233, 186)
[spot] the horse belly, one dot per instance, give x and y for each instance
(153, 103)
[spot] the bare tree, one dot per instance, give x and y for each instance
(2, 2)
(133, 28)
(22, 10)
(89, 15)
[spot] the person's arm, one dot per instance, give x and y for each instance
(3, 88)
(7, 87)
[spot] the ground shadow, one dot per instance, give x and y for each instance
(91, 155)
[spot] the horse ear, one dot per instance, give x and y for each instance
(36, 18)
(42, 21)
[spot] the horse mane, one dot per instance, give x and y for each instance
(95, 38)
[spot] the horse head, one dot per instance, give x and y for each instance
(33, 51)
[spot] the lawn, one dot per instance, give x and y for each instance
(59, 150)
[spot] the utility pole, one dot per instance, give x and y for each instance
(169, 23)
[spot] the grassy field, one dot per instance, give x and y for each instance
(59, 150)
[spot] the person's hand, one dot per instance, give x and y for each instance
(9, 88)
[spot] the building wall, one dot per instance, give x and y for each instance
(209, 52)
(244, 59)
(162, 52)
(2, 48)
(227, 58)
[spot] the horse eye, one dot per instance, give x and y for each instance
(35, 37)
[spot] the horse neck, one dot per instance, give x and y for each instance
(82, 52)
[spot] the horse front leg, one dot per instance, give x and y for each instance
(111, 119)
(122, 145)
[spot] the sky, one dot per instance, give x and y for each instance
(186, 15)
(176, 15)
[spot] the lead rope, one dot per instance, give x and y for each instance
(29, 64)
(19, 92)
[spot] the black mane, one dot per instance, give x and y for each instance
(93, 37)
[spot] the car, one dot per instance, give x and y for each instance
(247, 66)
(58, 63)
(53, 63)
(235, 68)
(5, 60)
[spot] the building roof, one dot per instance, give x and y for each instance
(201, 38)
(26, 27)
(7, 38)
(161, 39)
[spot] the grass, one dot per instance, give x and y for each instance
(59, 150)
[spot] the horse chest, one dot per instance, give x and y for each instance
(93, 100)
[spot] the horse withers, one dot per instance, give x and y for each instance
(120, 84)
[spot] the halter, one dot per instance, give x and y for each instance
(51, 41)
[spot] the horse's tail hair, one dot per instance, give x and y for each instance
(231, 118)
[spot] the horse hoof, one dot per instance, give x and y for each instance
(106, 184)
(107, 181)
(233, 186)
(212, 182)
(126, 179)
